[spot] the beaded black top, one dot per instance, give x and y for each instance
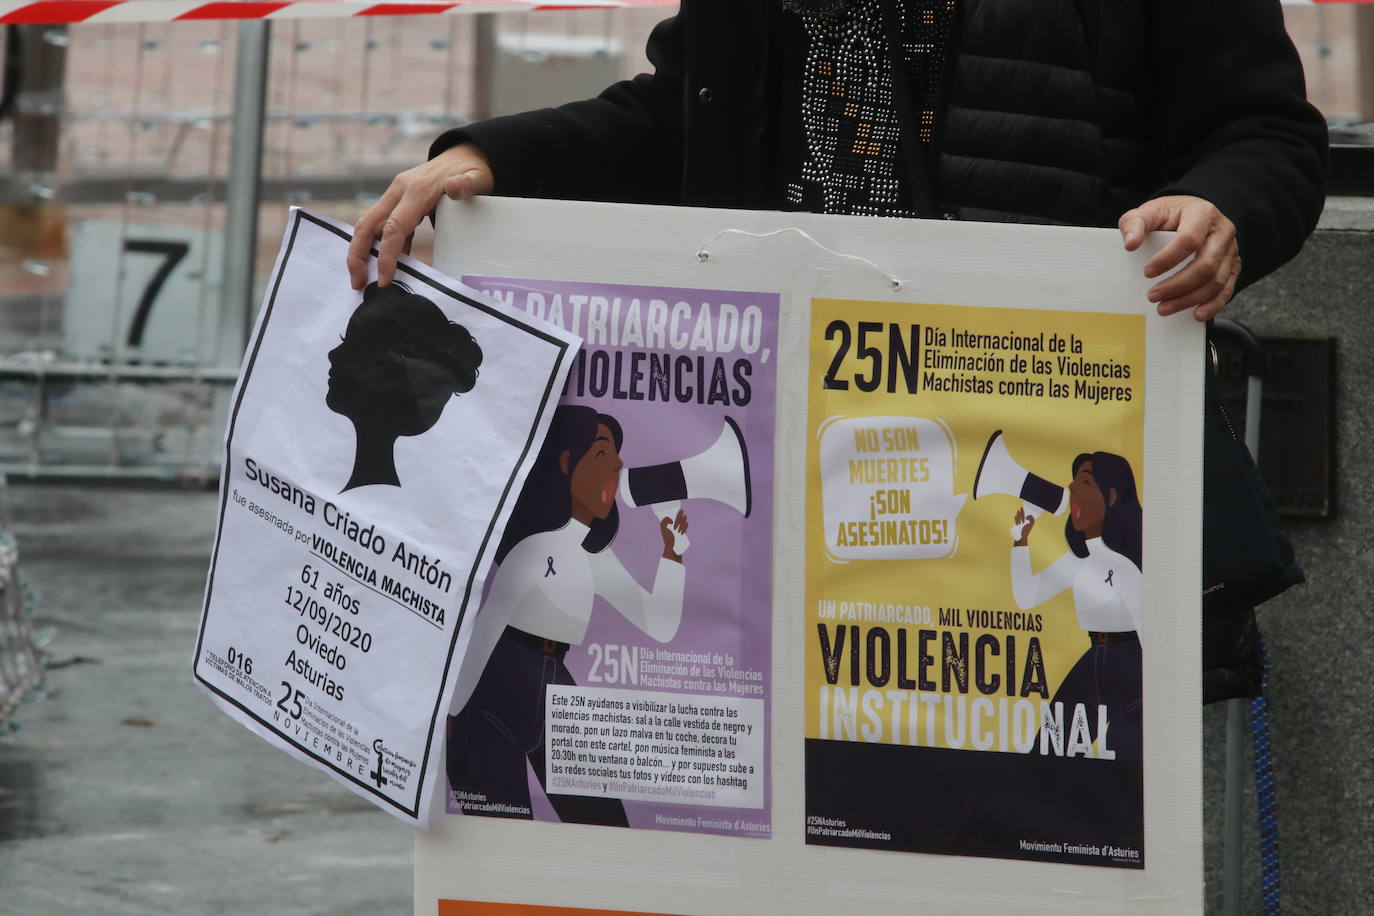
(852, 159)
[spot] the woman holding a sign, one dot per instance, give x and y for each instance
(1166, 115)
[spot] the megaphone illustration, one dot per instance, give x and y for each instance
(720, 473)
(999, 473)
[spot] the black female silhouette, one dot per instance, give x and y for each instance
(399, 362)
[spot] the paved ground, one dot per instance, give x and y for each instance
(124, 791)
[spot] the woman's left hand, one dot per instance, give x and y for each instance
(666, 527)
(1203, 232)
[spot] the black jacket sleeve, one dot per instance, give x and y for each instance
(624, 145)
(1234, 126)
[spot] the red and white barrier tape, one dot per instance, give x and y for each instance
(52, 12)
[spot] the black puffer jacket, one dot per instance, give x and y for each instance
(1065, 111)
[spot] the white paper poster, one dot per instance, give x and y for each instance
(375, 447)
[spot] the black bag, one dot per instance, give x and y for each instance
(1247, 557)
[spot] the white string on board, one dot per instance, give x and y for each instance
(703, 255)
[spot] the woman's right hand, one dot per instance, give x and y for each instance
(1025, 523)
(461, 172)
(666, 527)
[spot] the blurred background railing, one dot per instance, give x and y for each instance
(119, 335)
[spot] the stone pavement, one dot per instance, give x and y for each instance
(123, 790)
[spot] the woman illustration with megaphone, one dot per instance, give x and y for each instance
(553, 563)
(1103, 568)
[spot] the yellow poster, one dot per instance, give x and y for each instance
(975, 581)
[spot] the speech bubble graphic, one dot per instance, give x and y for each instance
(887, 489)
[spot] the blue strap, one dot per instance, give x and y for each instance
(1265, 796)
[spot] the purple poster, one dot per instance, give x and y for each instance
(619, 666)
